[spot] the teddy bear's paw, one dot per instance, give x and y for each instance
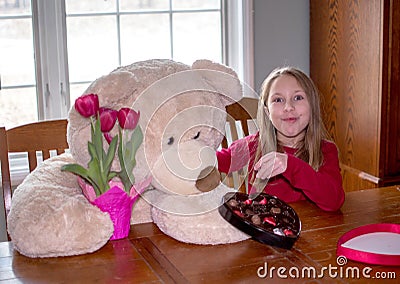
(57, 225)
(205, 229)
(194, 219)
(141, 212)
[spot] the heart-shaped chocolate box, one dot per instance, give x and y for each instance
(264, 217)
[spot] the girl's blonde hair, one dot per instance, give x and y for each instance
(309, 150)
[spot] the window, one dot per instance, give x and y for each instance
(105, 34)
(17, 67)
(50, 51)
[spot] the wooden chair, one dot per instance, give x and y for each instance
(43, 136)
(240, 117)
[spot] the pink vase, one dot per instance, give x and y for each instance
(116, 202)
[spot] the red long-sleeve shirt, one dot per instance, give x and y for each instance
(299, 182)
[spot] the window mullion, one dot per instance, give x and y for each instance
(248, 42)
(239, 38)
(51, 58)
(171, 30)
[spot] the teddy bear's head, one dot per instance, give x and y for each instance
(182, 116)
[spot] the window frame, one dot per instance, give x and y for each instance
(52, 81)
(50, 47)
(239, 38)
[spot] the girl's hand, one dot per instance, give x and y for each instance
(271, 164)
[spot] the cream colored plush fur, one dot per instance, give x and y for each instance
(179, 103)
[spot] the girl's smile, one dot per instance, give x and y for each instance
(289, 110)
(290, 119)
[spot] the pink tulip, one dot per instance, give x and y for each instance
(128, 118)
(108, 117)
(87, 105)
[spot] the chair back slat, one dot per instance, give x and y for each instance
(45, 154)
(245, 127)
(244, 112)
(32, 159)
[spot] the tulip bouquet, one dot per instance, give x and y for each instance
(101, 185)
(99, 173)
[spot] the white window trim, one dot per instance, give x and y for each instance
(239, 29)
(49, 27)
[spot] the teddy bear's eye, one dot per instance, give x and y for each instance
(197, 135)
(170, 140)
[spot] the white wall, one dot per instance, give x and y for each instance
(281, 36)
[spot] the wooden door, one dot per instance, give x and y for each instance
(345, 64)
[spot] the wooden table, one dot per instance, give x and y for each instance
(149, 256)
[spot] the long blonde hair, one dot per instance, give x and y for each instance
(309, 150)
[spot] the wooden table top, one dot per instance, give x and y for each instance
(149, 256)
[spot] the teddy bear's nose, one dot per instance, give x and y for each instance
(208, 179)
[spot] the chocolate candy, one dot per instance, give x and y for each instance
(233, 203)
(256, 219)
(275, 210)
(266, 218)
(263, 201)
(270, 220)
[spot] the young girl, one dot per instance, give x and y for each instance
(290, 152)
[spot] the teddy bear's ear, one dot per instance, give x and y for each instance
(221, 83)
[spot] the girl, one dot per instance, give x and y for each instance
(290, 152)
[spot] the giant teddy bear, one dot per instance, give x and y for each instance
(183, 120)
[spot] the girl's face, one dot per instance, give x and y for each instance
(288, 109)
